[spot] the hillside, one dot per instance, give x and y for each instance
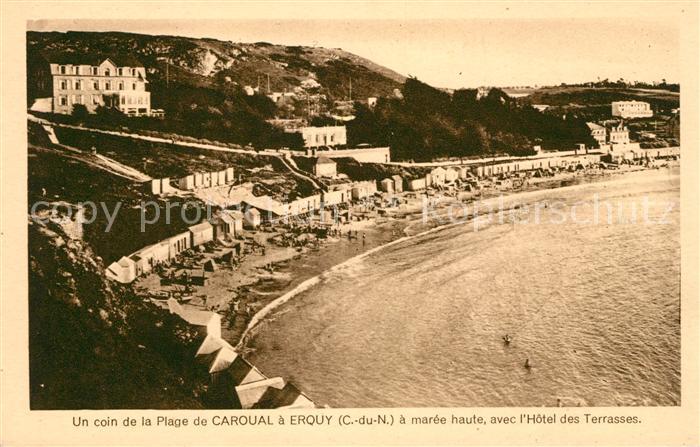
(204, 86)
(201, 83)
(95, 344)
(593, 103)
(428, 123)
(213, 64)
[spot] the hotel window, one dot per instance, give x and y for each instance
(120, 71)
(95, 85)
(133, 72)
(76, 70)
(133, 86)
(64, 85)
(62, 100)
(95, 99)
(93, 70)
(81, 100)
(108, 72)
(121, 86)
(78, 85)
(108, 85)
(123, 100)
(63, 69)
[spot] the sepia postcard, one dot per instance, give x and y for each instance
(349, 223)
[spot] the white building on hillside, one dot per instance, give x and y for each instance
(598, 132)
(324, 136)
(325, 167)
(114, 82)
(619, 134)
(631, 109)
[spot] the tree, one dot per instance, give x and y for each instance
(80, 112)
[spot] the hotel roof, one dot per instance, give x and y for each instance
(93, 60)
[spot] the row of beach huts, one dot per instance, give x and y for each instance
(194, 181)
(234, 382)
(230, 224)
(227, 224)
(266, 209)
(441, 176)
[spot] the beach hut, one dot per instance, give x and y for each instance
(221, 177)
(289, 397)
(214, 178)
(224, 381)
(438, 176)
(144, 259)
(186, 183)
(331, 198)
(398, 183)
(179, 243)
(451, 174)
(198, 180)
(165, 186)
(237, 218)
(251, 393)
(252, 218)
(155, 186)
(203, 322)
(201, 233)
(123, 270)
(463, 172)
(161, 252)
(223, 224)
(387, 185)
(206, 180)
(215, 354)
(229, 175)
(416, 184)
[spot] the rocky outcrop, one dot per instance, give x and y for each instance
(94, 344)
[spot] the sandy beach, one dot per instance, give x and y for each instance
(264, 278)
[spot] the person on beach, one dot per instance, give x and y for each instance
(528, 366)
(363, 239)
(507, 339)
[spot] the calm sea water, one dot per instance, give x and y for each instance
(595, 307)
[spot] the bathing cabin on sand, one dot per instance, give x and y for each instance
(203, 322)
(201, 233)
(387, 185)
(398, 183)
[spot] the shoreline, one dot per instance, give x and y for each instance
(544, 187)
(249, 294)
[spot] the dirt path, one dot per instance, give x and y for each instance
(263, 153)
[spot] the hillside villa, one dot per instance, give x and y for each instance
(631, 109)
(115, 82)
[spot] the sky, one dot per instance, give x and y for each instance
(454, 53)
